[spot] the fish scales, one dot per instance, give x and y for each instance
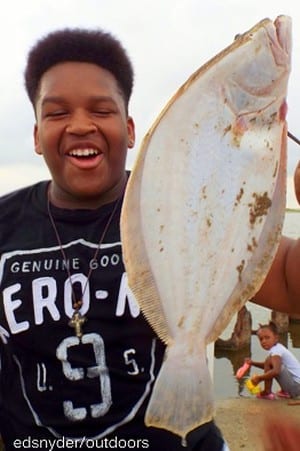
(203, 211)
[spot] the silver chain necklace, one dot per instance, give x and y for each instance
(78, 320)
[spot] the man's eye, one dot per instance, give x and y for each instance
(58, 113)
(103, 112)
(55, 113)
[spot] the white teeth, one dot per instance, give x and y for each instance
(83, 152)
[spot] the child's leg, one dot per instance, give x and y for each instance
(287, 383)
(268, 382)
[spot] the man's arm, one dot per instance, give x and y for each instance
(281, 288)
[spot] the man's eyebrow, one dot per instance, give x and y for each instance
(52, 99)
(102, 99)
(60, 99)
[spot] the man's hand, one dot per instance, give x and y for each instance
(281, 434)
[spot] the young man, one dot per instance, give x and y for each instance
(78, 360)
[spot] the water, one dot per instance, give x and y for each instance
(226, 362)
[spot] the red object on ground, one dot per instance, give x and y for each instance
(242, 370)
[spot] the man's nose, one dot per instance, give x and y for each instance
(81, 124)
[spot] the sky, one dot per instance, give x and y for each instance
(167, 41)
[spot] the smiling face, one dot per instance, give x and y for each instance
(267, 338)
(83, 132)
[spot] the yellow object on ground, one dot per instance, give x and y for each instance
(253, 389)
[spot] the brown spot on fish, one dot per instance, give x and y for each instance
(270, 121)
(161, 246)
(208, 222)
(250, 247)
(260, 207)
(275, 170)
(257, 48)
(240, 269)
(227, 129)
(238, 197)
(203, 192)
(180, 322)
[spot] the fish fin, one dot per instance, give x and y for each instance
(182, 397)
(138, 268)
(144, 289)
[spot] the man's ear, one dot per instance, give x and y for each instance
(130, 132)
(36, 140)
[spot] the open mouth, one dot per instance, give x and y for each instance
(85, 157)
(83, 153)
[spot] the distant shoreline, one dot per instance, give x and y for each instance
(292, 210)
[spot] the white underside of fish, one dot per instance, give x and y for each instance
(203, 211)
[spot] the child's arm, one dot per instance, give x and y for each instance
(253, 363)
(271, 373)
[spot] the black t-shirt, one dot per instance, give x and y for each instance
(74, 392)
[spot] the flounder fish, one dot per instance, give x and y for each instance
(203, 211)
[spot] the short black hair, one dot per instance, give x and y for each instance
(271, 326)
(83, 45)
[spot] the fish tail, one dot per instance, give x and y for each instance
(182, 397)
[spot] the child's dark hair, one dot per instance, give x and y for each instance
(271, 325)
(90, 46)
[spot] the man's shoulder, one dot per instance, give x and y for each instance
(22, 199)
(20, 194)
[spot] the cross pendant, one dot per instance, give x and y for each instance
(77, 322)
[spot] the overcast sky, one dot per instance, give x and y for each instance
(167, 41)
